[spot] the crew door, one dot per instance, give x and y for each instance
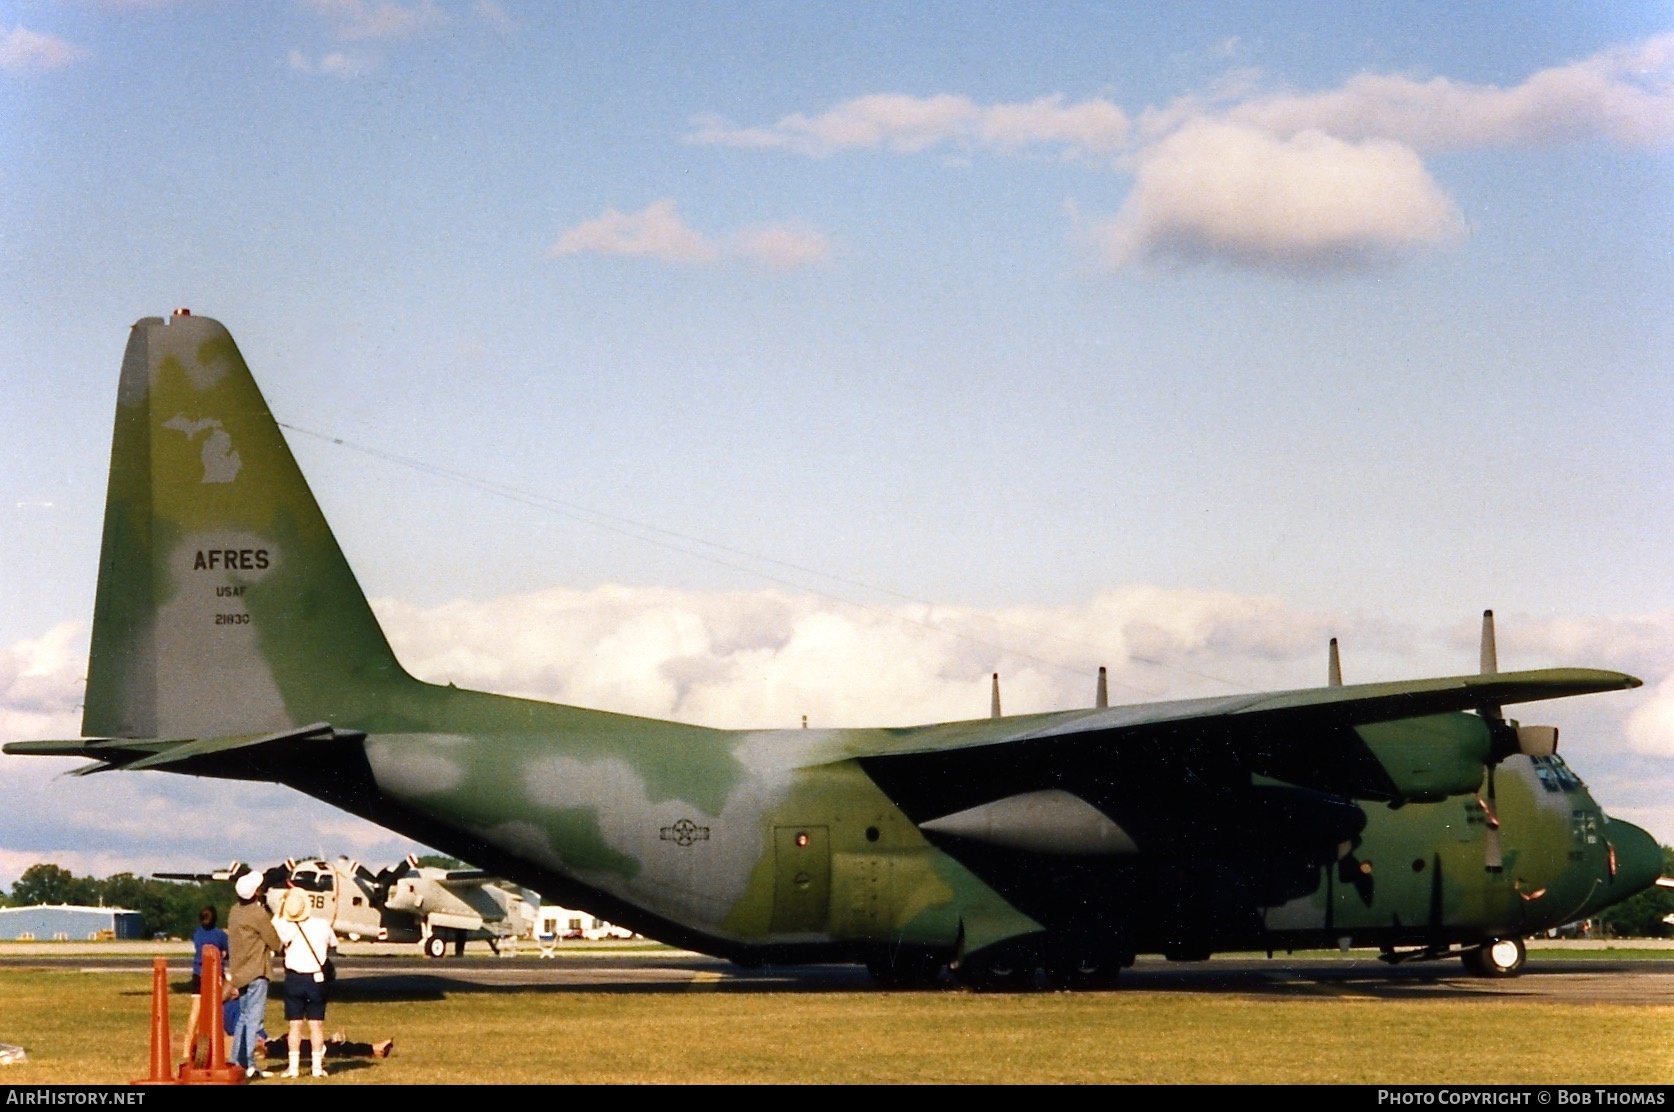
(802, 879)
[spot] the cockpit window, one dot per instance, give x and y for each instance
(311, 881)
(1583, 828)
(1554, 775)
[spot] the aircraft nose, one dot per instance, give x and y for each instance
(1638, 857)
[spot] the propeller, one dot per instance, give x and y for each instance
(383, 878)
(1506, 739)
(1492, 860)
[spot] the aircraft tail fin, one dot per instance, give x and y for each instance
(225, 606)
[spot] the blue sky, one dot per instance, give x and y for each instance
(839, 355)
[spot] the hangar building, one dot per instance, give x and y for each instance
(69, 923)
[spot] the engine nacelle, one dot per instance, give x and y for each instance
(1431, 758)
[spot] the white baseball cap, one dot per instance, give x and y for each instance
(247, 885)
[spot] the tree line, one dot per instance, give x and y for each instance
(1642, 916)
(167, 907)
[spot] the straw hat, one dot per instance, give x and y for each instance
(295, 907)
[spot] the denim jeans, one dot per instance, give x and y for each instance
(252, 1014)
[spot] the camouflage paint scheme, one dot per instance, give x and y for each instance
(231, 640)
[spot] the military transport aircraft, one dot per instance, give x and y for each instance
(230, 639)
(407, 902)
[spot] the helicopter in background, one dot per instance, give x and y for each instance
(405, 903)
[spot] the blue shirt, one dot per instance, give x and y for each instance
(202, 937)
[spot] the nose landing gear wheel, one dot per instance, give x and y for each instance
(435, 946)
(1498, 957)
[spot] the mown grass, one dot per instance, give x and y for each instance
(92, 1028)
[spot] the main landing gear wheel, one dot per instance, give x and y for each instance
(1084, 974)
(435, 946)
(1498, 957)
(997, 975)
(907, 969)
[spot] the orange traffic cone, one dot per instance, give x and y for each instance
(160, 1074)
(210, 1029)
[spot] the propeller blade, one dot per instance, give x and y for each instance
(1537, 741)
(386, 877)
(1490, 661)
(1492, 859)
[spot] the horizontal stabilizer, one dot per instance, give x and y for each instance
(239, 757)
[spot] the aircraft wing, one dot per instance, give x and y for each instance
(190, 876)
(1320, 738)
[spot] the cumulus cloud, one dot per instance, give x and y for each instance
(655, 231)
(1624, 95)
(1239, 174)
(658, 232)
(364, 21)
(1221, 190)
(41, 683)
(1334, 179)
(1650, 729)
(764, 658)
(26, 51)
(1642, 645)
(150, 822)
(1639, 643)
(138, 822)
(898, 122)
